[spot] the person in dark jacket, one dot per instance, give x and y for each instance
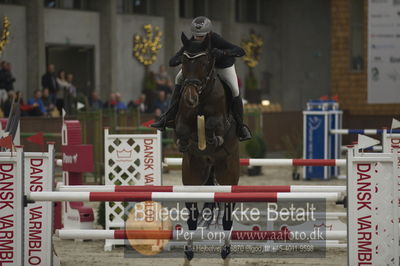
(6, 78)
(224, 53)
(49, 80)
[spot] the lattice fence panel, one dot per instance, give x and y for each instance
(133, 159)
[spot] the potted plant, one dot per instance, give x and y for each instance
(252, 47)
(255, 148)
(253, 94)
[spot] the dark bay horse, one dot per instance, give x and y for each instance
(203, 94)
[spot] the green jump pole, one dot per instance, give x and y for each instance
(46, 135)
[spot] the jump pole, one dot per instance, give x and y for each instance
(233, 189)
(362, 131)
(276, 162)
(181, 196)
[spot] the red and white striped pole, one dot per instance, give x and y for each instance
(276, 162)
(233, 189)
(178, 235)
(184, 197)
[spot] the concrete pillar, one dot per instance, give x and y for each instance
(227, 17)
(169, 9)
(36, 48)
(108, 47)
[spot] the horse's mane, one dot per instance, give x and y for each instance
(195, 47)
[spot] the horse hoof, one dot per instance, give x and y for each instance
(225, 251)
(189, 253)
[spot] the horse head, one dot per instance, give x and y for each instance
(197, 69)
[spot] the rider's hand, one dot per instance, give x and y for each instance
(217, 53)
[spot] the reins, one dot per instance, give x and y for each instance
(200, 85)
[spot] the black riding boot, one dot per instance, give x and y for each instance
(243, 131)
(168, 118)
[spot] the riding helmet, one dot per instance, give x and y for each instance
(201, 26)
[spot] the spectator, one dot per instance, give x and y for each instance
(49, 80)
(150, 90)
(15, 97)
(139, 103)
(112, 101)
(70, 95)
(25, 108)
(95, 102)
(163, 80)
(6, 80)
(62, 87)
(161, 102)
(120, 105)
(47, 101)
(71, 88)
(36, 104)
(157, 114)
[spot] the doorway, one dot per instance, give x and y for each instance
(78, 60)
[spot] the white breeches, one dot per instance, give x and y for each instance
(228, 75)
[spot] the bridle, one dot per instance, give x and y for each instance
(200, 85)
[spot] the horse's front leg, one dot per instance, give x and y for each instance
(215, 130)
(192, 225)
(182, 133)
(194, 172)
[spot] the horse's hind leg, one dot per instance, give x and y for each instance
(227, 220)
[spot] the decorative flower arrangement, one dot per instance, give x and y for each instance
(252, 46)
(145, 48)
(5, 33)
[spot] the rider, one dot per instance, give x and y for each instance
(225, 54)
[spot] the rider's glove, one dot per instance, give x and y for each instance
(217, 53)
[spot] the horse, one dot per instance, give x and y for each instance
(211, 148)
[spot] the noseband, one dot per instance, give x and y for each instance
(200, 85)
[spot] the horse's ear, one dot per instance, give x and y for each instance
(185, 40)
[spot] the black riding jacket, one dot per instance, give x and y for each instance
(227, 60)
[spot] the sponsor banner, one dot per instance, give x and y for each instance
(77, 158)
(384, 51)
